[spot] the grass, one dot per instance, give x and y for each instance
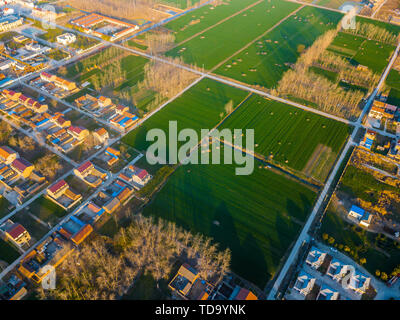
(248, 214)
(145, 288)
(46, 210)
(211, 47)
(394, 97)
(346, 44)
(393, 79)
(370, 51)
(264, 62)
(198, 108)
(330, 75)
(289, 134)
(4, 204)
(7, 252)
(361, 184)
(181, 4)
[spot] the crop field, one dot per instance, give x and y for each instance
(374, 55)
(181, 4)
(7, 252)
(198, 108)
(202, 18)
(264, 62)
(210, 48)
(46, 210)
(295, 138)
(346, 44)
(248, 214)
(393, 79)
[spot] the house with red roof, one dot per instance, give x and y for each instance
(90, 174)
(7, 155)
(22, 167)
(61, 194)
(135, 176)
(15, 233)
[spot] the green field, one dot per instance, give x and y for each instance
(265, 61)
(181, 4)
(293, 136)
(374, 55)
(202, 18)
(249, 214)
(7, 252)
(393, 79)
(217, 44)
(346, 44)
(46, 210)
(198, 108)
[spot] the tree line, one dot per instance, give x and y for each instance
(106, 268)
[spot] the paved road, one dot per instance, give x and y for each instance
(379, 8)
(304, 233)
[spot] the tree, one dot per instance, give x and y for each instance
(48, 165)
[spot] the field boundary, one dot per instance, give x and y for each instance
(257, 38)
(217, 24)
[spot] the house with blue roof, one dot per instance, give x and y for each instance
(304, 283)
(315, 257)
(327, 293)
(363, 217)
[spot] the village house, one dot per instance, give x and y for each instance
(66, 38)
(18, 97)
(90, 213)
(369, 139)
(59, 82)
(61, 194)
(7, 155)
(136, 176)
(52, 252)
(101, 134)
(15, 233)
(327, 293)
(381, 110)
(364, 218)
(75, 230)
(184, 280)
(22, 167)
(124, 121)
(304, 283)
(114, 196)
(111, 156)
(78, 133)
(13, 289)
(90, 174)
(315, 257)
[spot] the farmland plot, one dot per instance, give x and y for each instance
(264, 62)
(201, 107)
(217, 44)
(248, 214)
(295, 138)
